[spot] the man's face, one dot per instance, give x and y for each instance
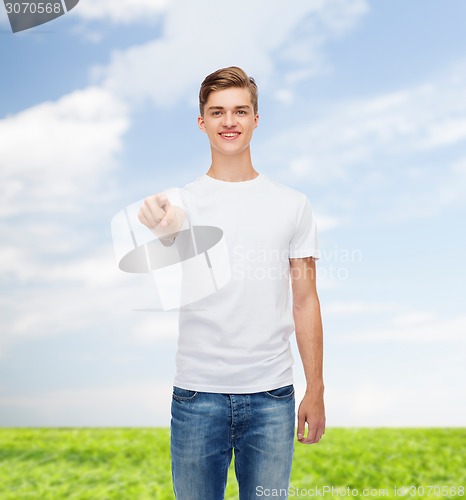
(229, 120)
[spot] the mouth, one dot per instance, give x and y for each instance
(229, 136)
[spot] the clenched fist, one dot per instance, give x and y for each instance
(160, 216)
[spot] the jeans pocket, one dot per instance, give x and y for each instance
(183, 394)
(287, 391)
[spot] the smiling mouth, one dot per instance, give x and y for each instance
(229, 135)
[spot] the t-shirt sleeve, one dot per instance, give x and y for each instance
(304, 242)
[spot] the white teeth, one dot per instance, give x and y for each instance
(229, 135)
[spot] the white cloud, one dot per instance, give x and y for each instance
(56, 159)
(413, 318)
(54, 154)
(285, 96)
(328, 222)
(151, 331)
(58, 311)
(452, 186)
(62, 284)
(350, 135)
(25, 265)
(121, 12)
(148, 404)
(398, 390)
(144, 404)
(75, 280)
(373, 404)
(381, 147)
(412, 329)
(191, 38)
(352, 308)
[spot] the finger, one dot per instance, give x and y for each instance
(320, 430)
(144, 220)
(301, 422)
(152, 211)
(311, 435)
(162, 201)
(151, 216)
(169, 217)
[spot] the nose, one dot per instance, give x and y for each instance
(229, 119)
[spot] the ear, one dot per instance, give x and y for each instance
(201, 123)
(256, 121)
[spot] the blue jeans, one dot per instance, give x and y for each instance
(206, 428)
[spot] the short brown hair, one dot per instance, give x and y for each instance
(226, 78)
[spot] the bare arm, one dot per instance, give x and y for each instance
(309, 337)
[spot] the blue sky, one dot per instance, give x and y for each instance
(363, 108)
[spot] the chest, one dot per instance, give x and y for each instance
(246, 221)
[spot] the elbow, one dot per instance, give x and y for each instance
(306, 301)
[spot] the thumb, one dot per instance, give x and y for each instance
(169, 216)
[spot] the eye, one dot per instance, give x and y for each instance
(215, 113)
(242, 112)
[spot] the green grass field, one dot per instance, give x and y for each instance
(89, 463)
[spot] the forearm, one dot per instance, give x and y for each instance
(309, 337)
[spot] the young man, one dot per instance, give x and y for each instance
(233, 389)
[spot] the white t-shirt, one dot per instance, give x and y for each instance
(236, 340)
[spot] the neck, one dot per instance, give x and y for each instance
(235, 168)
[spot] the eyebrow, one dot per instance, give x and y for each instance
(244, 106)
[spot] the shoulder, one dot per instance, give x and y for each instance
(196, 184)
(288, 193)
(191, 188)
